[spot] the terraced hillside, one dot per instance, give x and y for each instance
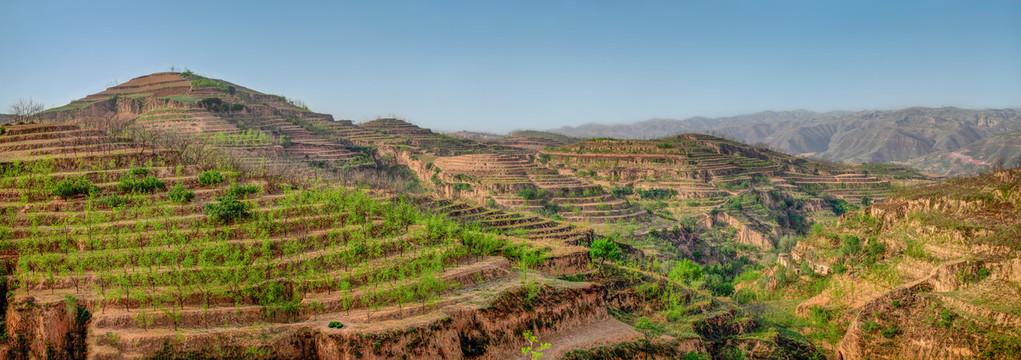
(756, 196)
(528, 140)
(928, 273)
(121, 251)
(518, 182)
(425, 139)
(524, 226)
(115, 250)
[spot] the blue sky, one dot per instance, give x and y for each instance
(504, 65)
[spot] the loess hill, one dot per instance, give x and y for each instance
(178, 216)
(105, 261)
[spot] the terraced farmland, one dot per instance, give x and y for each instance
(158, 271)
(517, 182)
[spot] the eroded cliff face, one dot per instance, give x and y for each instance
(745, 234)
(51, 331)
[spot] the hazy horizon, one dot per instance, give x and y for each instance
(497, 67)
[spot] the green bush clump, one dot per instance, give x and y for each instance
(870, 326)
(147, 184)
(687, 271)
(840, 206)
(73, 187)
(890, 331)
(180, 195)
(946, 318)
(336, 325)
(532, 194)
(211, 177)
(139, 171)
(654, 194)
(241, 190)
(114, 200)
(461, 186)
(622, 191)
(228, 208)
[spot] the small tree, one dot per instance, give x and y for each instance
(604, 249)
(26, 110)
(534, 349)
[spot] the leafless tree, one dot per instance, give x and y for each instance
(26, 110)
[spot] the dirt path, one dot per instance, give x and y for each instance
(601, 333)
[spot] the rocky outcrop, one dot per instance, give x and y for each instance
(51, 331)
(745, 234)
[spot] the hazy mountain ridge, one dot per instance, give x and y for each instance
(866, 136)
(657, 128)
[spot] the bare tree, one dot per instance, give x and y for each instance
(25, 110)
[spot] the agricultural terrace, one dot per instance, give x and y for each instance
(700, 173)
(428, 141)
(161, 250)
(517, 182)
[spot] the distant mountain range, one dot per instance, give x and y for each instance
(947, 141)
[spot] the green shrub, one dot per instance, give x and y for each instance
(806, 269)
(180, 195)
(850, 245)
(114, 200)
(717, 285)
(840, 206)
(946, 318)
(461, 186)
(870, 326)
(139, 171)
(228, 208)
(622, 191)
(890, 331)
(211, 177)
(241, 190)
(70, 188)
(147, 184)
(336, 325)
(690, 223)
(654, 194)
(820, 315)
(687, 271)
